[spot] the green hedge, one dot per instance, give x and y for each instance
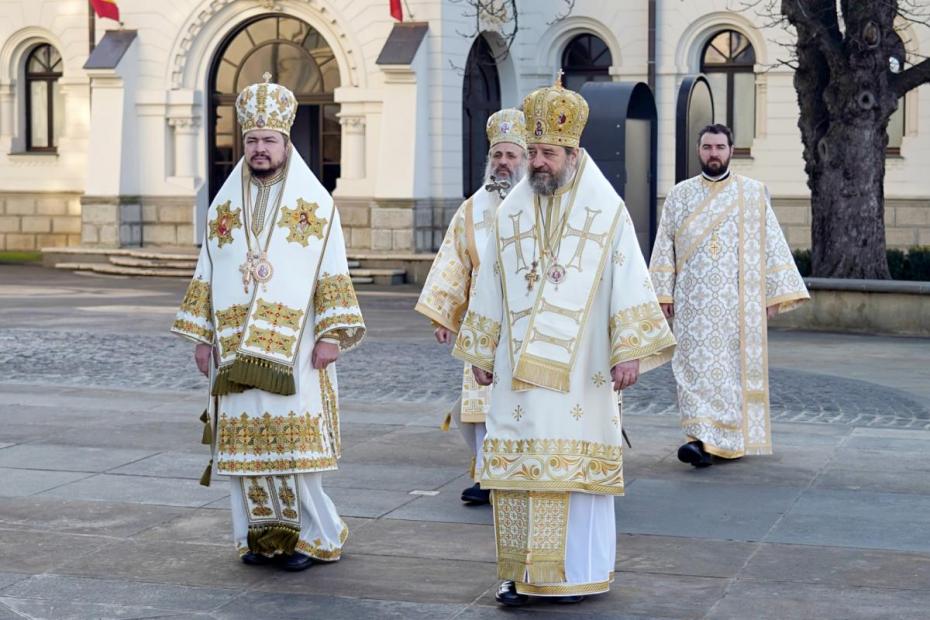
(913, 264)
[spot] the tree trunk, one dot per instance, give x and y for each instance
(845, 101)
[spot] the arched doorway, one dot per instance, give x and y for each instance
(481, 97)
(298, 57)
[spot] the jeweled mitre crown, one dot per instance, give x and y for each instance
(266, 106)
(507, 125)
(555, 115)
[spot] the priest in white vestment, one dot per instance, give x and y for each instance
(271, 306)
(449, 285)
(721, 268)
(563, 316)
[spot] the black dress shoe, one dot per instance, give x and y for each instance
(476, 495)
(568, 600)
(298, 562)
(508, 596)
(256, 559)
(694, 454)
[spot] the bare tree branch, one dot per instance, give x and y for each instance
(911, 78)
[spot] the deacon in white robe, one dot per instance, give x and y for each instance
(721, 268)
(271, 306)
(563, 316)
(449, 284)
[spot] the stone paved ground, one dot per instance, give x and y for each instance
(101, 515)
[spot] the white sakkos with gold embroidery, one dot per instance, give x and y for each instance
(721, 259)
(260, 430)
(556, 426)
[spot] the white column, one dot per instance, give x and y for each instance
(353, 147)
(7, 113)
(186, 132)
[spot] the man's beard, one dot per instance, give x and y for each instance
(545, 184)
(267, 172)
(724, 165)
(490, 170)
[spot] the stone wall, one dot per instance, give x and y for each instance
(395, 225)
(35, 221)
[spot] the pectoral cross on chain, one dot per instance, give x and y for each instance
(714, 246)
(501, 187)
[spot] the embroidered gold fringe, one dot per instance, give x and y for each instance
(207, 474)
(222, 384)
(542, 373)
(536, 571)
(252, 372)
(273, 539)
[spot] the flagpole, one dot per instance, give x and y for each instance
(91, 28)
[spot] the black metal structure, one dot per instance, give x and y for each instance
(298, 57)
(481, 97)
(622, 138)
(693, 111)
(43, 70)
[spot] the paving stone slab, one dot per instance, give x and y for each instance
(446, 506)
(780, 600)
(871, 470)
(702, 510)
(551, 611)
(23, 482)
(67, 458)
(39, 552)
(398, 478)
(7, 579)
(893, 521)
(254, 605)
(643, 595)
(168, 465)
(155, 436)
(367, 503)
(188, 564)
(388, 578)
(66, 588)
(424, 539)
(840, 567)
(139, 490)
(64, 610)
(82, 517)
(672, 555)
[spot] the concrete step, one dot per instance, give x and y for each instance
(362, 280)
(116, 270)
(354, 264)
(384, 277)
(157, 263)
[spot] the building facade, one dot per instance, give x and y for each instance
(126, 147)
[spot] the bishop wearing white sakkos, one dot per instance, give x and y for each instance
(563, 315)
(272, 303)
(450, 281)
(721, 268)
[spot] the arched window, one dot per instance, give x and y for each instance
(43, 99)
(728, 62)
(481, 97)
(896, 128)
(586, 59)
(298, 57)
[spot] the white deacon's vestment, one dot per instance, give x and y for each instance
(721, 259)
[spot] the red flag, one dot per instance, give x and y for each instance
(396, 11)
(106, 9)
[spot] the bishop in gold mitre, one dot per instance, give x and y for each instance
(270, 308)
(563, 316)
(451, 278)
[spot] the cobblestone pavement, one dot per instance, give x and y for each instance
(154, 362)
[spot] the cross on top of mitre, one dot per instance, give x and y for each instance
(558, 78)
(267, 76)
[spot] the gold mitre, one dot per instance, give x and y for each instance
(266, 106)
(555, 115)
(507, 125)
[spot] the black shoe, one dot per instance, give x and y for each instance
(568, 600)
(476, 495)
(256, 559)
(297, 562)
(693, 453)
(508, 596)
